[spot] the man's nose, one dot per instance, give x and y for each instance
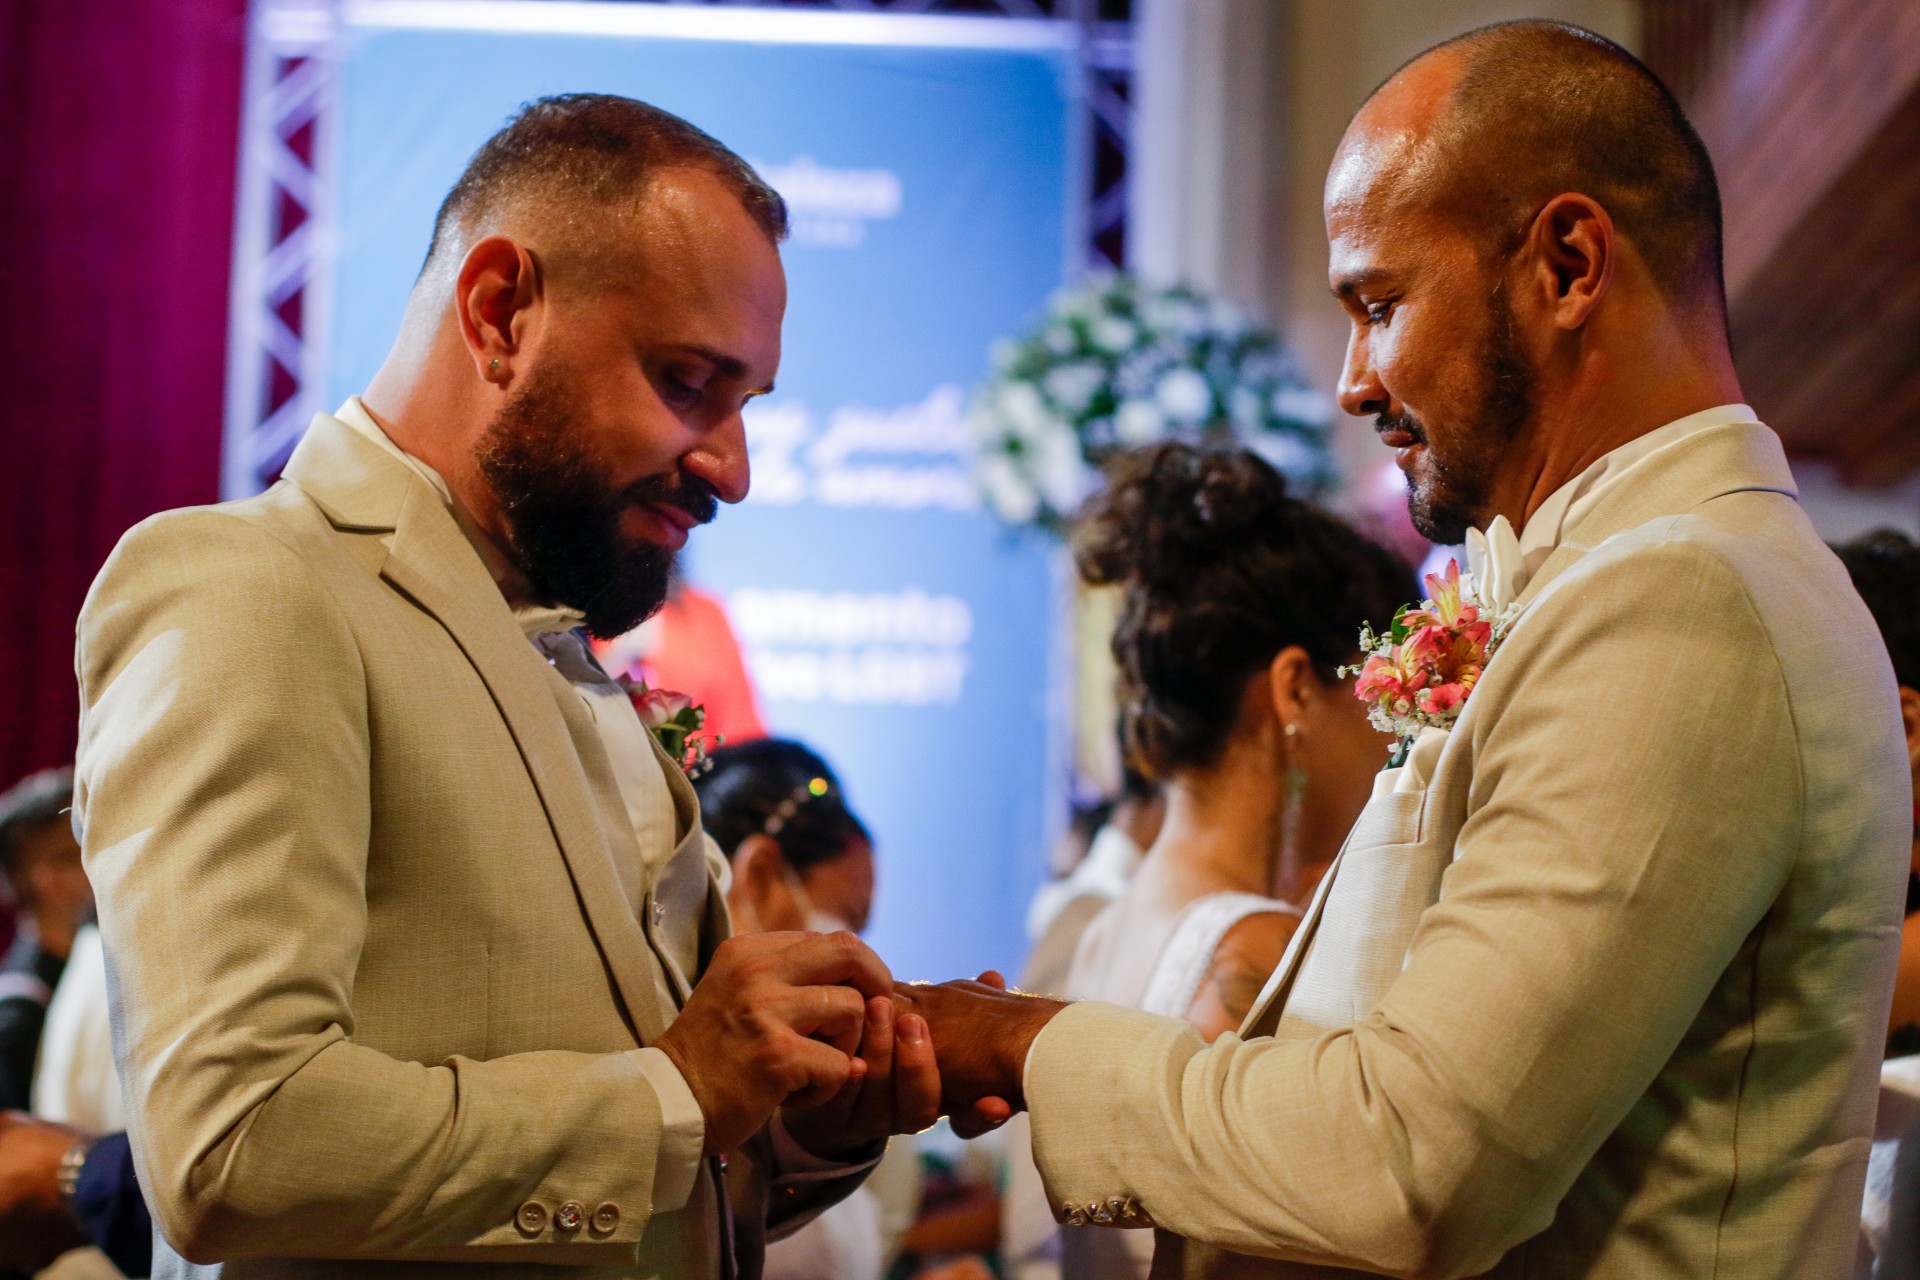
(1360, 392)
(721, 461)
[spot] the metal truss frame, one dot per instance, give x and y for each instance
(278, 312)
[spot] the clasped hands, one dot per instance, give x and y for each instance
(814, 1026)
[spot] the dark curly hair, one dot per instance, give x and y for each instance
(774, 787)
(1222, 570)
(1885, 567)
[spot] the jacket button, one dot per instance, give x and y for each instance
(569, 1216)
(531, 1218)
(606, 1218)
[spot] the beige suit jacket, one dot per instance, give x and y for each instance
(378, 991)
(1606, 999)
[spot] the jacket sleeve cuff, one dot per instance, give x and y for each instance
(1133, 1062)
(683, 1131)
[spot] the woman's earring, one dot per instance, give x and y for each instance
(1292, 813)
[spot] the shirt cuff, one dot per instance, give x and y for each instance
(794, 1163)
(683, 1131)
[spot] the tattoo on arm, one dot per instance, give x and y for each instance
(1234, 984)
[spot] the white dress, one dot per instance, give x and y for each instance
(1039, 1250)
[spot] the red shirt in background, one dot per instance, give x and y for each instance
(689, 647)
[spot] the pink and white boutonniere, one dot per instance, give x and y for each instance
(1420, 674)
(676, 720)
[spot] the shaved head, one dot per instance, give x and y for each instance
(1496, 122)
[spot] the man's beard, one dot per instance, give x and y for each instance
(563, 516)
(1455, 493)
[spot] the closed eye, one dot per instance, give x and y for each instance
(679, 391)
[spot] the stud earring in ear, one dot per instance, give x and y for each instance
(493, 366)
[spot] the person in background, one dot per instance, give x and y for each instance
(690, 647)
(1063, 908)
(802, 860)
(62, 1189)
(41, 862)
(1885, 568)
(1242, 604)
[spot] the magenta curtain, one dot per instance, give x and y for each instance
(119, 127)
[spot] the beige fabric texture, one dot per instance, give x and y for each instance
(376, 983)
(1606, 999)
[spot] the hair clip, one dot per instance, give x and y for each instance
(811, 789)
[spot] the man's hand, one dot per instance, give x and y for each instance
(35, 1227)
(775, 1019)
(981, 1034)
(899, 1092)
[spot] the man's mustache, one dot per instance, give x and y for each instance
(688, 493)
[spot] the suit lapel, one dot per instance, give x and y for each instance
(432, 563)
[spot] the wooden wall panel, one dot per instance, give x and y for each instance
(1812, 114)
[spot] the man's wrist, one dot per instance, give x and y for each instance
(1017, 1046)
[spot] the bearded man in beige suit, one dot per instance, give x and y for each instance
(1598, 985)
(419, 953)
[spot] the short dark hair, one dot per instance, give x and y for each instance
(1221, 570)
(778, 788)
(34, 801)
(1546, 107)
(600, 148)
(1885, 567)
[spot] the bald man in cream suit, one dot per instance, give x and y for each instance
(1598, 985)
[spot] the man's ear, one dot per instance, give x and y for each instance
(1577, 249)
(494, 296)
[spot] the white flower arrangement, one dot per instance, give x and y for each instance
(1118, 364)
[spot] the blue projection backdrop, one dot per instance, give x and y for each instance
(887, 620)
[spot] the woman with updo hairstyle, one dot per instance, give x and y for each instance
(1241, 603)
(800, 858)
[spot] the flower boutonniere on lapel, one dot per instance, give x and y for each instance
(676, 720)
(1420, 673)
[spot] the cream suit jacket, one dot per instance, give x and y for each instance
(378, 991)
(1607, 998)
